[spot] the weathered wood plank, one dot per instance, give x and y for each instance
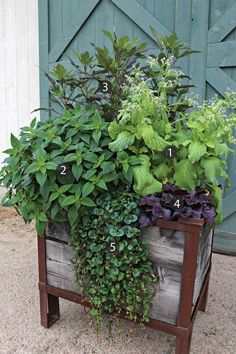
(58, 251)
(165, 247)
(59, 271)
(58, 231)
(203, 261)
(165, 303)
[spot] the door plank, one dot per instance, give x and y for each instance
(223, 27)
(220, 81)
(221, 54)
(141, 17)
(63, 42)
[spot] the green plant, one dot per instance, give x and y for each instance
(189, 149)
(97, 78)
(58, 167)
(111, 263)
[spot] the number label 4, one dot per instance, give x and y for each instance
(177, 203)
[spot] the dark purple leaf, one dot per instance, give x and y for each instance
(195, 204)
(209, 214)
(184, 212)
(167, 214)
(144, 221)
(149, 200)
(203, 199)
(190, 199)
(168, 187)
(167, 198)
(196, 213)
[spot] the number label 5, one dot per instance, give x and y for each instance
(112, 247)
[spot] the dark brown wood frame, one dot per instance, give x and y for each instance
(49, 295)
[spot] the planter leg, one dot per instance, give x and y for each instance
(182, 345)
(49, 309)
(203, 303)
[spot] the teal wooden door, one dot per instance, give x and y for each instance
(213, 71)
(206, 25)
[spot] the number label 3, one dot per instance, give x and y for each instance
(105, 86)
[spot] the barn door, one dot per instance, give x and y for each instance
(214, 33)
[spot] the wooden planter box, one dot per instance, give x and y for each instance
(181, 255)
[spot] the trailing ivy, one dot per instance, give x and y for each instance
(111, 262)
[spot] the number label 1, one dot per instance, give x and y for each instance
(170, 152)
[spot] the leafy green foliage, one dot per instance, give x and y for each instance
(111, 263)
(75, 143)
(145, 127)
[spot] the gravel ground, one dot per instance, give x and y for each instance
(20, 331)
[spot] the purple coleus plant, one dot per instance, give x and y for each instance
(173, 203)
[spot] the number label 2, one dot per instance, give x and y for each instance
(63, 170)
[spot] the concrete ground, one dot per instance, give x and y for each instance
(21, 333)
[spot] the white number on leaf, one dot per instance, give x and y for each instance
(177, 203)
(112, 247)
(63, 172)
(105, 87)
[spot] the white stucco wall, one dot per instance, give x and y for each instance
(19, 72)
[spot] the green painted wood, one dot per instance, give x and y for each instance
(221, 81)
(221, 54)
(205, 25)
(229, 204)
(221, 77)
(199, 27)
(183, 28)
(165, 12)
(224, 242)
(140, 16)
(226, 24)
(64, 40)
